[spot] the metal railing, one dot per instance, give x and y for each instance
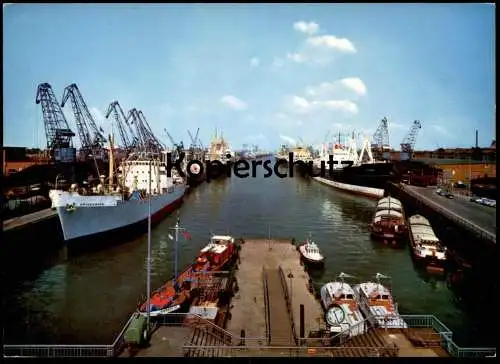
(266, 305)
(68, 351)
(483, 234)
(281, 351)
(249, 346)
(288, 303)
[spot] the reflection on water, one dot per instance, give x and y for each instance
(88, 298)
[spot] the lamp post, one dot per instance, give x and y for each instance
(148, 285)
(290, 276)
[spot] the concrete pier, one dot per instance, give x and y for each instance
(25, 220)
(248, 312)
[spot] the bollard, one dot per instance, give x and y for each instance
(302, 328)
(242, 337)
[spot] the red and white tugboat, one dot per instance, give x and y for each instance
(215, 256)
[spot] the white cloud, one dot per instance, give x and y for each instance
(302, 105)
(233, 102)
(331, 41)
(254, 62)
(355, 84)
(288, 139)
(326, 88)
(344, 105)
(306, 27)
(296, 57)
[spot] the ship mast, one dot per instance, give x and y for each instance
(111, 162)
(177, 228)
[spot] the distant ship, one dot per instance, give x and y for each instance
(125, 205)
(220, 150)
(351, 168)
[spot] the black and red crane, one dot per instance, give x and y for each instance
(91, 137)
(59, 135)
(128, 138)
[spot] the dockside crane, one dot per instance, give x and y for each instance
(380, 140)
(408, 142)
(194, 140)
(91, 137)
(129, 140)
(59, 135)
(178, 146)
(146, 140)
(153, 140)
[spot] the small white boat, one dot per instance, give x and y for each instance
(310, 253)
(377, 304)
(342, 309)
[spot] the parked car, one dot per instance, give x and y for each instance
(449, 195)
(438, 191)
(489, 202)
(475, 199)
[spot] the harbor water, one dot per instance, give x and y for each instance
(86, 298)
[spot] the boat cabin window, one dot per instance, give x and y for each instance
(385, 297)
(349, 296)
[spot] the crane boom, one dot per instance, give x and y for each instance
(57, 130)
(408, 143)
(115, 108)
(91, 136)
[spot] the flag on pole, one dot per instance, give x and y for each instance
(186, 235)
(170, 236)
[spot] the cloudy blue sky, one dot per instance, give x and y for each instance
(263, 74)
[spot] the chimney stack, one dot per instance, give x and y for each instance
(476, 139)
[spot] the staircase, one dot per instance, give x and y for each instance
(368, 344)
(208, 336)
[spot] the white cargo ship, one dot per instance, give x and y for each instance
(117, 206)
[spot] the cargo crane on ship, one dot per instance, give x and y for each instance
(59, 135)
(409, 141)
(380, 145)
(128, 138)
(91, 137)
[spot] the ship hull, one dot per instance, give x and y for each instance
(372, 175)
(113, 221)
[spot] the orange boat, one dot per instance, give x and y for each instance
(217, 254)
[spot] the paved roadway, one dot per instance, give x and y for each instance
(483, 216)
